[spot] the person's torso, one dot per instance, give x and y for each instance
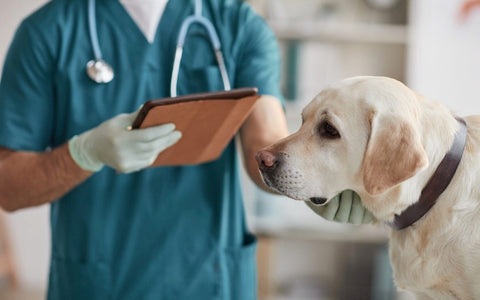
(161, 233)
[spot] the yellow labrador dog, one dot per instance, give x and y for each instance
(415, 166)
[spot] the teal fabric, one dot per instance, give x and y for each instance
(161, 233)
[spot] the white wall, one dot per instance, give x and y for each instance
(444, 54)
(28, 229)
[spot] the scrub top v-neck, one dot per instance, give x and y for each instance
(128, 22)
(160, 233)
(146, 14)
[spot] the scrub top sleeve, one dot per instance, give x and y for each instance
(27, 92)
(259, 63)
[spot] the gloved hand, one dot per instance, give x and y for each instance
(345, 207)
(124, 150)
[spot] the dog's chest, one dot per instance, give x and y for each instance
(414, 270)
(433, 266)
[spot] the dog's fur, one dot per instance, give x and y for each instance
(391, 140)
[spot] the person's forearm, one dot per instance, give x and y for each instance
(31, 178)
(265, 126)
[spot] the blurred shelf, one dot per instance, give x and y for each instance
(334, 232)
(341, 32)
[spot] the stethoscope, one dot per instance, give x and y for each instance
(101, 72)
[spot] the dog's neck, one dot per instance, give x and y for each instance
(437, 183)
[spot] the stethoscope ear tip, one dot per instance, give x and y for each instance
(99, 71)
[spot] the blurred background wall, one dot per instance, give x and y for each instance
(443, 61)
(422, 43)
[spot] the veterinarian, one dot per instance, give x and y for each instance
(72, 84)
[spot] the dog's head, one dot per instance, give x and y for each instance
(360, 134)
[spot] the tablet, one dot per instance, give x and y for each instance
(208, 122)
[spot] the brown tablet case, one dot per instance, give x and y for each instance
(208, 121)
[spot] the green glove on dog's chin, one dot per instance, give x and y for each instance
(345, 207)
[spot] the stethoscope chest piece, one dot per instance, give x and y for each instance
(99, 71)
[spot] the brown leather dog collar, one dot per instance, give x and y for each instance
(437, 183)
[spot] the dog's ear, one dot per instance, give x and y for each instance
(394, 153)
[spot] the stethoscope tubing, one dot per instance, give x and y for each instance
(98, 66)
(92, 28)
(214, 40)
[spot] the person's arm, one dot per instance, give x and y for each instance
(33, 178)
(259, 65)
(29, 176)
(265, 126)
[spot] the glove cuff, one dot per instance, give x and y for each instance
(82, 159)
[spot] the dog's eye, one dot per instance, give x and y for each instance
(328, 131)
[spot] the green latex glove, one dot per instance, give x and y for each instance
(345, 207)
(124, 150)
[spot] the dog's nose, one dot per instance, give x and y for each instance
(266, 160)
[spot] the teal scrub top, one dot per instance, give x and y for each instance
(160, 233)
